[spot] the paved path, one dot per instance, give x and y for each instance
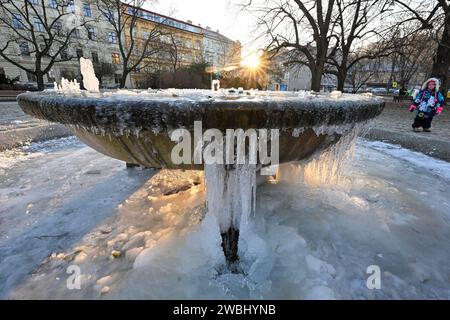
(11, 115)
(396, 117)
(17, 128)
(394, 126)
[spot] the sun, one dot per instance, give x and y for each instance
(252, 61)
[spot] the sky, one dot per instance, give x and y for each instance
(222, 15)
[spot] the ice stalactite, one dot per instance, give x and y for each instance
(326, 168)
(231, 194)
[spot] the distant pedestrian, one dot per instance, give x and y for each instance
(403, 91)
(428, 102)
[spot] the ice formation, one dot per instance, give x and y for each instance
(90, 81)
(335, 94)
(231, 199)
(327, 168)
(215, 85)
(67, 86)
(180, 95)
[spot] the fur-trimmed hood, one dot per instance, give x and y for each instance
(436, 80)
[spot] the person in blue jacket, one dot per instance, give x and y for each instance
(427, 103)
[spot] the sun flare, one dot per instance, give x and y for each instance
(252, 61)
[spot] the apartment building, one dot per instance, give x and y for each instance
(219, 51)
(187, 43)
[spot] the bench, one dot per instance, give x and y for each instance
(399, 98)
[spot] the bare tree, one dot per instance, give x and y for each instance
(354, 22)
(431, 15)
(104, 69)
(173, 52)
(136, 51)
(362, 72)
(42, 31)
(303, 27)
(413, 55)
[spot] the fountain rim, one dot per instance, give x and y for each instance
(87, 109)
(261, 97)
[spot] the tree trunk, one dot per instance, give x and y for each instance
(38, 73)
(40, 81)
(341, 77)
(441, 62)
(123, 79)
(316, 78)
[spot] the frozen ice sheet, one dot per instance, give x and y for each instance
(305, 240)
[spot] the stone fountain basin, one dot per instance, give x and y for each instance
(135, 126)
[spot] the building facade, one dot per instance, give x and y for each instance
(219, 51)
(285, 76)
(178, 43)
(186, 44)
(94, 39)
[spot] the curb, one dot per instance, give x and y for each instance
(418, 142)
(7, 99)
(17, 137)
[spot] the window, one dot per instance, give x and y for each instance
(94, 57)
(42, 48)
(115, 58)
(109, 15)
(112, 37)
(57, 26)
(53, 4)
(64, 55)
(165, 38)
(92, 34)
(79, 53)
(38, 26)
(17, 21)
(24, 49)
(33, 1)
(76, 34)
(86, 9)
(71, 6)
(145, 35)
(132, 11)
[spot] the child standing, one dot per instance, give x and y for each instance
(427, 103)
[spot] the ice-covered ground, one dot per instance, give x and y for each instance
(65, 204)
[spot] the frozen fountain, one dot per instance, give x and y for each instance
(137, 126)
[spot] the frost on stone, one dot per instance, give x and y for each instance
(177, 97)
(90, 81)
(335, 94)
